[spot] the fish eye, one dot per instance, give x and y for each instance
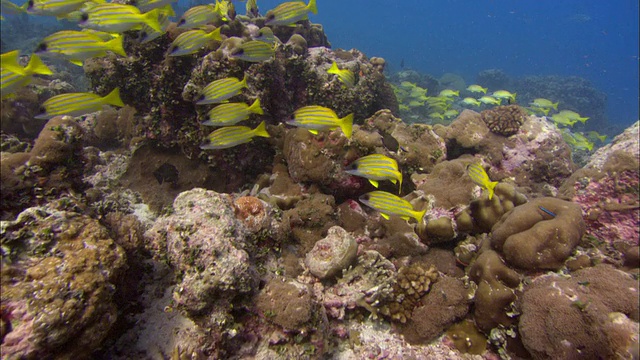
(237, 52)
(181, 22)
(365, 197)
(30, 6)
(42, 110)
(84, 17)
(270, 16)
(42, 47)
(202, 97)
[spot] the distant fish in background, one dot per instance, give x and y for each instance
(265, 34)
(449, 93)
(490, 100)
(505, 95)
(166, 173)
(544, 104)
(289, 13)
(390, 142)
(477, 89)
(471, 101)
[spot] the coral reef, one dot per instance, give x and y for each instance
(504, 120)
(601, 305)
(540, 234)
(59, 271)
(332, 254)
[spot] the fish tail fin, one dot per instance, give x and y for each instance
(491, 185)
(255, 107)
(113, 98)
(24, 6)
(10, 62)
(167, 10)
(151, 18)
(418, 215)
(244, 81)
(312, 6)
(115, 45)
(36, 66)
(584, 119)
(333, 69)
(457, 93)
(215, 34)
(346, 124)
(545, 112)
(261, 130)
(513, 97)
(484, 90)
(555, 106)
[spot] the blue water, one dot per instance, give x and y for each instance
(596, 40)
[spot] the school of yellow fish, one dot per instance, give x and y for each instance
(103, 25)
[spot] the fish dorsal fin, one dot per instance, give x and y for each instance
(373, 182)
(385, 216)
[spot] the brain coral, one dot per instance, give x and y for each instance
(539, 234)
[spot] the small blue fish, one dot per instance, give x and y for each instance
(547, 211)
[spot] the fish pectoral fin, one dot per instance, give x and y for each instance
(373, 182)
(314, 132)
(385, 216)
(406, 218)
(76, 62)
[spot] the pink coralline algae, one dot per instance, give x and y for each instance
(610, 206)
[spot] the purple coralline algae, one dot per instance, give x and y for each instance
(607, 189)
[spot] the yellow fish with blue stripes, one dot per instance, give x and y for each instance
(318, 118)
(53, 7)
(219, 91)
(190, 42)
(253, 51)
(388, 204)
(480, 177)
(78, 104)
(289, 13)
(10, 81)
(231, 136)
(198, 16)
(232, 113)
(345, 75)
(78, 46)
(376, 167)
(118, 18)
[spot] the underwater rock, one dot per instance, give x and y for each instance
(53, 166)
(205, 243)
(536, 156)
(496, 293)
(494, 79)
(310, 219)
(600, 303)
(59, 275)
(447, 302)
(368, 284)
(540, 234)
(286, 302)
(412, 283)
(332, 254)
(607, 190)
(572, 92)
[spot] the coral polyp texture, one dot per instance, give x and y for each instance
(232, 208)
